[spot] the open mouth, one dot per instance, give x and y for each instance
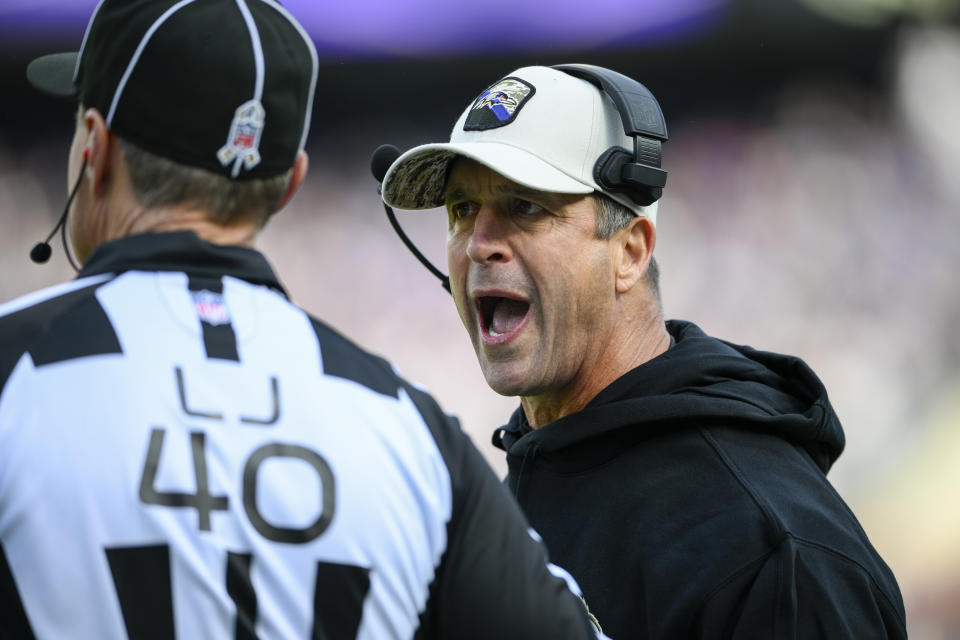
(501, 318)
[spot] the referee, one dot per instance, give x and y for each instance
(183, 452)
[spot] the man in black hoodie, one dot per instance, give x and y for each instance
(679, 478)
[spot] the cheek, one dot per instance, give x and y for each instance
(74, 161)
(86, 225)
(464, 310)
(77, 224)
(457, 273)
(578, 296)
(457, 260)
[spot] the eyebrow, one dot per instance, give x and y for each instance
(459, 193)
(553, 200)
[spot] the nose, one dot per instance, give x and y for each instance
(489, 238)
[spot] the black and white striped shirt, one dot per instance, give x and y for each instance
(186, 454)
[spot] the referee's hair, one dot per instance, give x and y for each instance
(158, 182)
(612, 217)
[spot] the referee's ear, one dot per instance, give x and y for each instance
(299, 172)
(98, 147)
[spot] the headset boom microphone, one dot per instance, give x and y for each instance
(383, 157)
(41, 251)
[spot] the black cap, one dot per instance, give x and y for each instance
(225, 85)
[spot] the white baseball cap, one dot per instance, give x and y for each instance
(539, 127)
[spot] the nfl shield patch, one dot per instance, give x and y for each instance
(210, 307)
(498, 105)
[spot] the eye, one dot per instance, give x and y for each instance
(459, 210)
(525, 208)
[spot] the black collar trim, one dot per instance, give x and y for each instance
(180, 251)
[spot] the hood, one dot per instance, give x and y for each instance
(700, 381)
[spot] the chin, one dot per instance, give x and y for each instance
(506, 383)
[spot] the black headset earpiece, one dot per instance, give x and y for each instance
(639, 175)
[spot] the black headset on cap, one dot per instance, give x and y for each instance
(637, 176)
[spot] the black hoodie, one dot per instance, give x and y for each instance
(689, 499)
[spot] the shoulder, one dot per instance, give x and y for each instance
(787, 487)
(800, 588)
(343, 358)
(30, 322)
(775, 539)
(808, 526)
(745, 490)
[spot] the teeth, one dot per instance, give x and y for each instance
(493, 333)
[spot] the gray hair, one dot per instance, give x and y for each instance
(612, 217)
(159, 182)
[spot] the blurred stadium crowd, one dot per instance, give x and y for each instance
(823, 223)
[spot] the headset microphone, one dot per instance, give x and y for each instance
(41, 251)
(380, 162)
(383, 156)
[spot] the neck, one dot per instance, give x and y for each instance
(110, 227)
(183, 219)
(635, 345)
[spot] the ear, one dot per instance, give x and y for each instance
(98, 150)
(300, 166)
(635, 243)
